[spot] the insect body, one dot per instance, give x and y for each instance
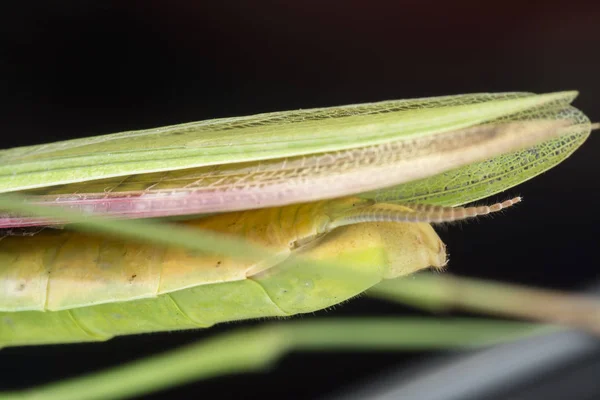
(88, 287)
(280, 180)
(83, 287)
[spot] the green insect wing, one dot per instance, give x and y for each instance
(445, 150)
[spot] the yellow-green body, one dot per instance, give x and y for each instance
(64, 286)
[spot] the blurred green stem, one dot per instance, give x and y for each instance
(257, 349)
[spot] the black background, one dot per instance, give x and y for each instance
(79, 68)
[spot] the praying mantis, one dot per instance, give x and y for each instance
(331, 200)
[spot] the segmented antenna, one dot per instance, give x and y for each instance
(418, 213)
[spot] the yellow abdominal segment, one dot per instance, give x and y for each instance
(57, 270)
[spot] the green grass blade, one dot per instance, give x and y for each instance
(443, 292)
(258, 349)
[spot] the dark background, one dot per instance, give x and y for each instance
(79, 68)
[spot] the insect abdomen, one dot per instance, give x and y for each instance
(198, 307)
(331, 269)
(294, 286)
